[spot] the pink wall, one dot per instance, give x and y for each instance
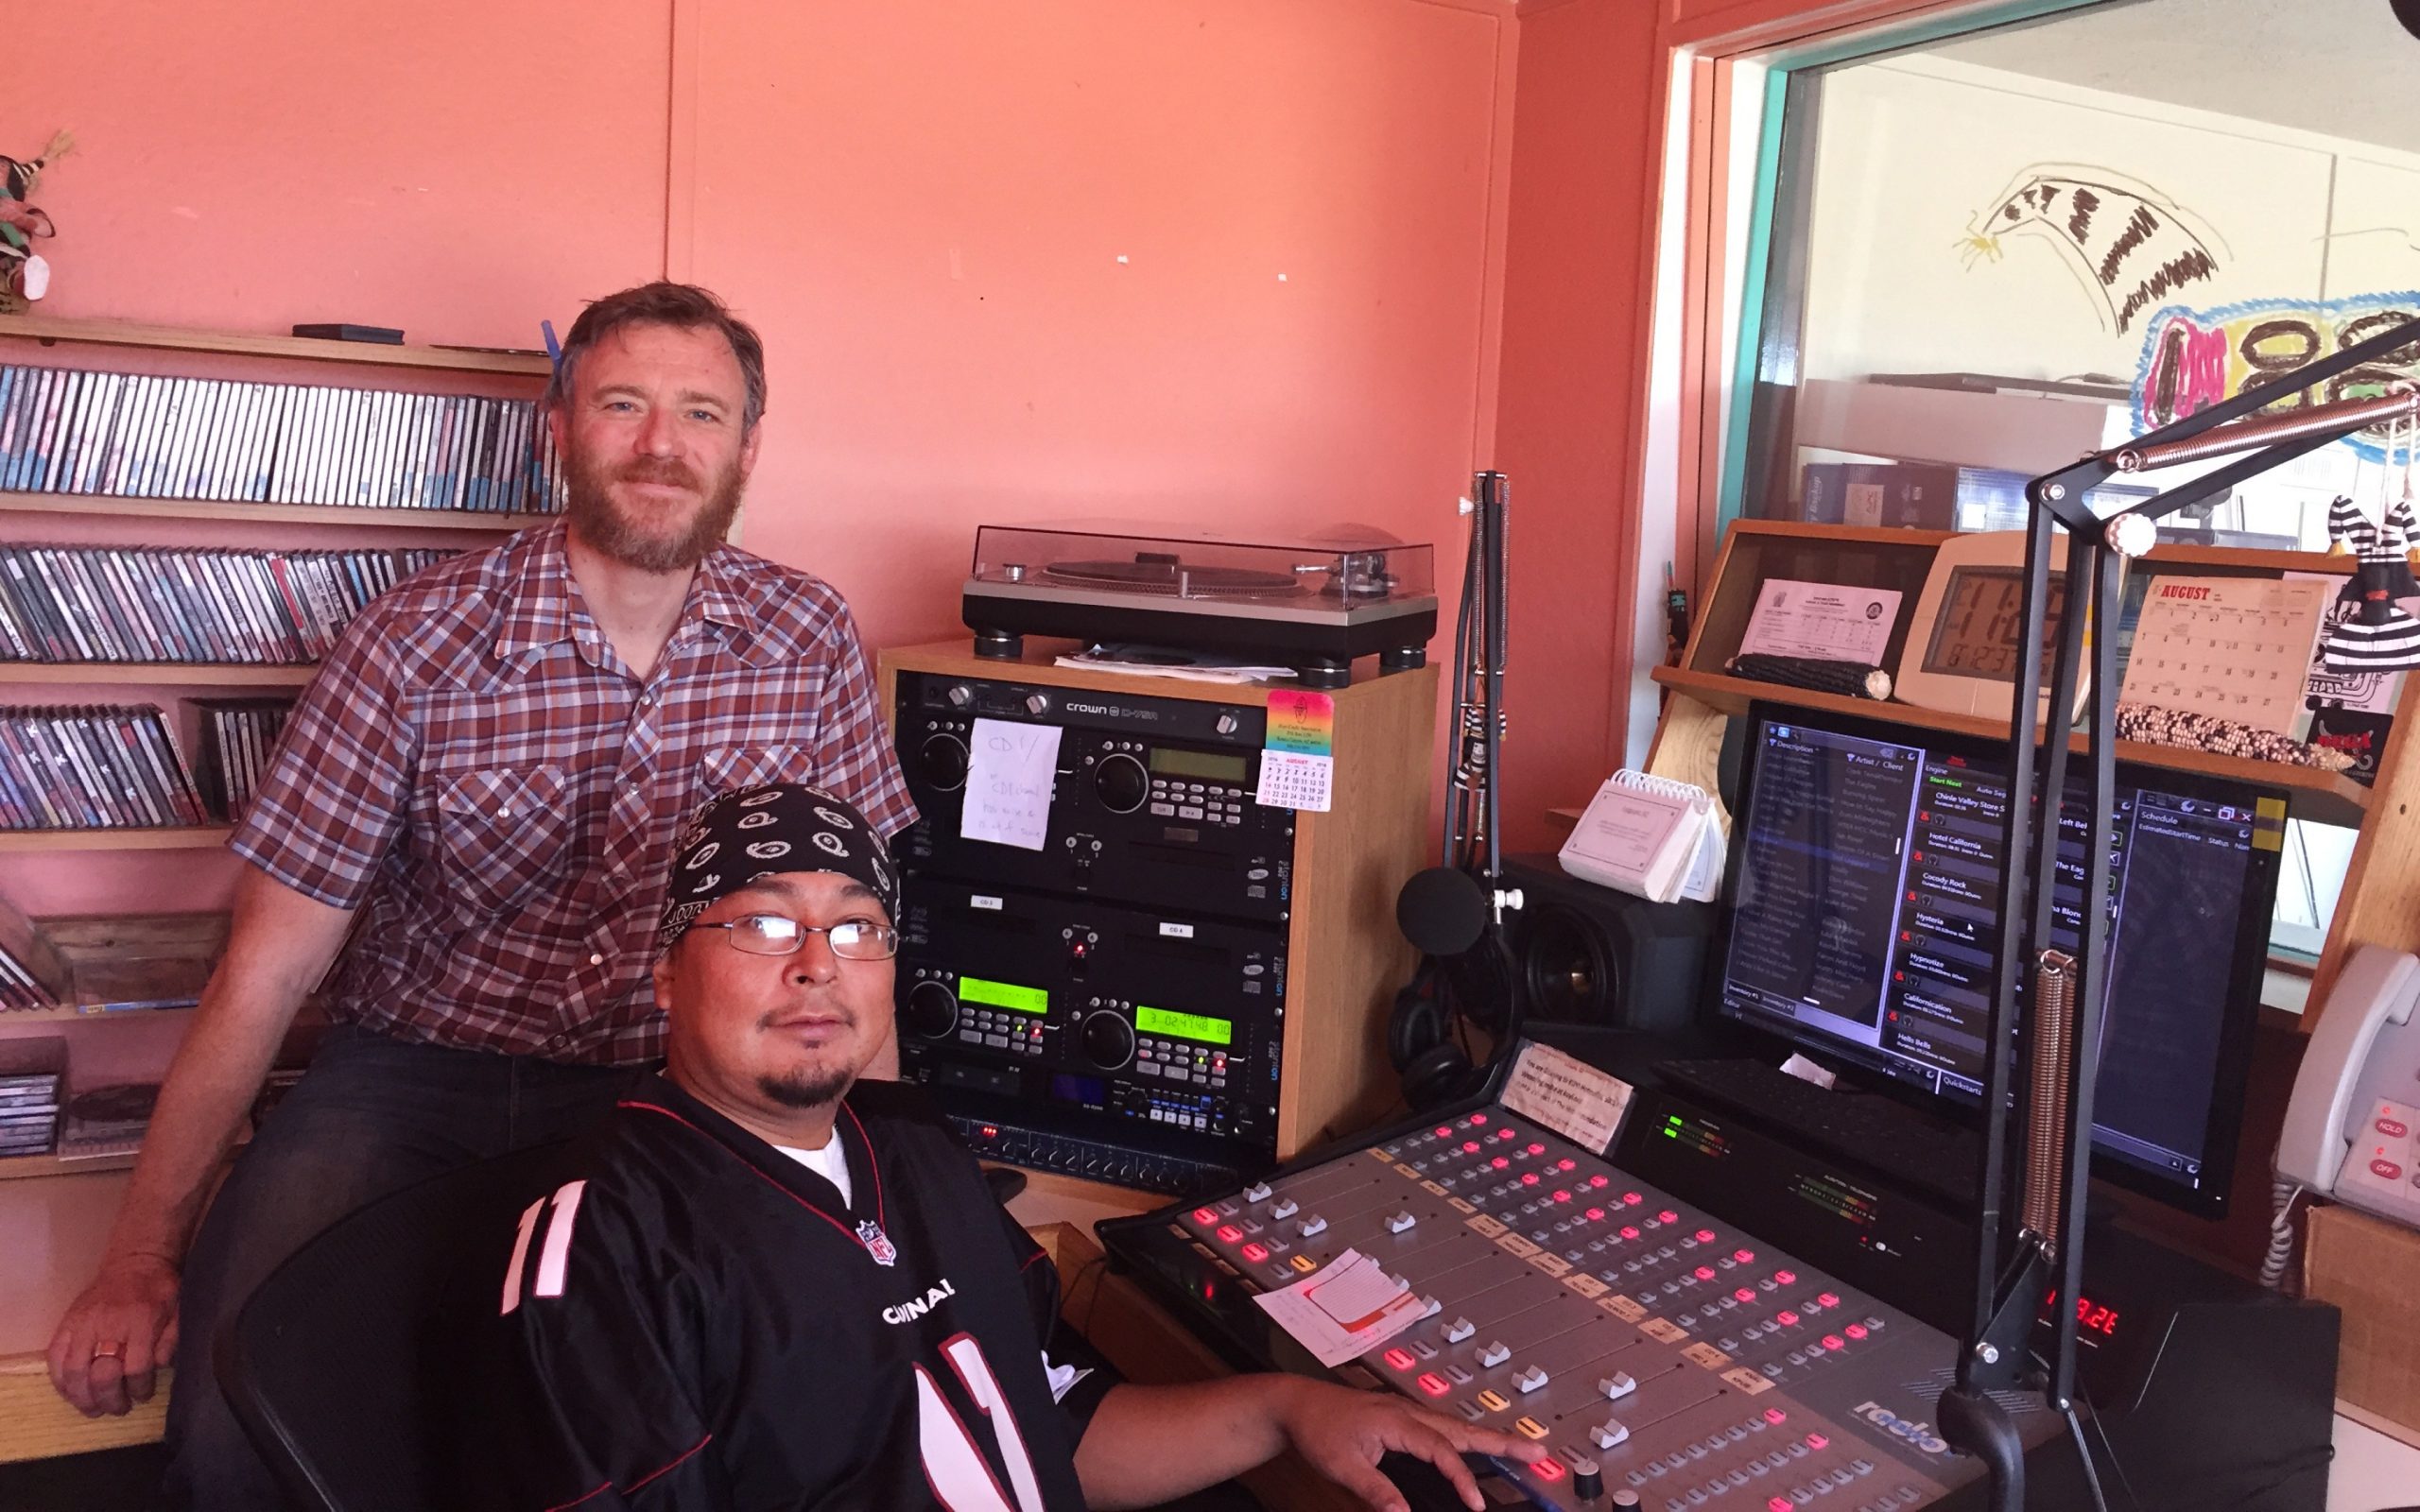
(926, 205)
(1575, 328)
(921, 203)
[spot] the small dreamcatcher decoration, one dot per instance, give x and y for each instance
(2379, 635)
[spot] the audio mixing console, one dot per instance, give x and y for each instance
(1646, 1352)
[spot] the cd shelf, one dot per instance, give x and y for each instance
(284, 514)
(48, 329)
(156, 837)
(162, 674)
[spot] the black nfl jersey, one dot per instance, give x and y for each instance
(696, 1322)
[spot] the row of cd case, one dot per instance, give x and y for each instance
(65, 604)
(65, 430)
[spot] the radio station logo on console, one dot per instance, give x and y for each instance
(1919, 1434)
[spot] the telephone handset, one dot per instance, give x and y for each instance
(2352, 1128)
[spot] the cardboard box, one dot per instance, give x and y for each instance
(2364, 1266)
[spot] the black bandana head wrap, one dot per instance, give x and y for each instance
(758, 831)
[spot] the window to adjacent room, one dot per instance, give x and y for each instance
(1986, 254)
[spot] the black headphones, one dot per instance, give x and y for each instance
(1466, 973)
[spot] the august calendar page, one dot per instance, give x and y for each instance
(2231, 647)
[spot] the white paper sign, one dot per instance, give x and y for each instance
(1821, 620)
(1570, 1096)
(1292, 780)
(1343, 1310)
(1010, 769)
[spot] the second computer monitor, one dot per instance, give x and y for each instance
(1861, 920)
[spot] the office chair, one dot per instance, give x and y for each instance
(336, 1366)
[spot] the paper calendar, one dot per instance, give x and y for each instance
(2230, 647)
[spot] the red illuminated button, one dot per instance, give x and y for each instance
(1476, 1118)
(1567, 1164)
(1786, 1319)
(1596, 1216)
(1776, 1416)
(1706, 1236)
(1400, 1359)
(1817, 1441)
(1628, 1232)
(1470, 1146)
(1443, 1132)
(1499, 1162)
(1743, 1256)
(1779, 1504)
(1436, 1386)
(1548, 1469)
(1537, 1149)
(1704, 1273)
(1668, 1215)
(2393, 1128)
(1562, 1196)
(1855, 1331)
(1787, 1278)
(1255, 1253)
(1206, 1215)
(1829, 1300)
(1504, 1134)
(1529, 1179)
(1833, 1341)
(2385, 1168)
(1600, 1180)
(1745, 1294)
(1229, 1234)
(1632, 1199)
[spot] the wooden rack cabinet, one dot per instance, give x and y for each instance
(54, 1214)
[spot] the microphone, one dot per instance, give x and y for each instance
(2408, 11)
(1442, 911)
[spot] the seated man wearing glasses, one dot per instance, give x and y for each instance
(779, 1285)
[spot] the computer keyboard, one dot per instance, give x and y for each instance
(1939, 1159)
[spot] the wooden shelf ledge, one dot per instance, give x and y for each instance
(183, 673)
(283, 514)
(2327, 798)
(24, 1167)
(169, 838)
(48, 329)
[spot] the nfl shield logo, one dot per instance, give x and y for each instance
(877, 1242)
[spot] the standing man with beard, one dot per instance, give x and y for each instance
(481, 789)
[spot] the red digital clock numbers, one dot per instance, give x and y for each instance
(2090, 1315)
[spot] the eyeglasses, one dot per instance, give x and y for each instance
(855, 939)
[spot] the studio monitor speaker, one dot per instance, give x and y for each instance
(1588, 956)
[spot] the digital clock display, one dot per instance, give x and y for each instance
(1975, 635)
(2091, 1316)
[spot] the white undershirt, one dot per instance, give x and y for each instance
(830, 1162)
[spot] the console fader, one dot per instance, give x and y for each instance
(1650, 1355)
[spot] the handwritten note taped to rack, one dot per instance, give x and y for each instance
(2235, 648)
(1570, 1096)
(1009, 772)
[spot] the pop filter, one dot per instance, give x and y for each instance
(1442, 911)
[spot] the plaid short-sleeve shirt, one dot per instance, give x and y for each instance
(478, 772)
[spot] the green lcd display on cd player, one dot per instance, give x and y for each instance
(1185, 1026)
(1003, 995)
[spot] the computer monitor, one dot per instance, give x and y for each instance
(1860, 920)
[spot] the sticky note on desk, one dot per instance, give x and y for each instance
(1010, 771)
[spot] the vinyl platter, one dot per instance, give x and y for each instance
(1315, 601)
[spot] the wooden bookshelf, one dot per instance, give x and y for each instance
(51, 329)
(167, 837)
(2322, 797)
(286, 514)
(25, 1167)
(162, 674)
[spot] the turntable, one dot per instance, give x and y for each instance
(1314, 601)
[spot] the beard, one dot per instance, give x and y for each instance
(611, 530)
(805, 1088)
